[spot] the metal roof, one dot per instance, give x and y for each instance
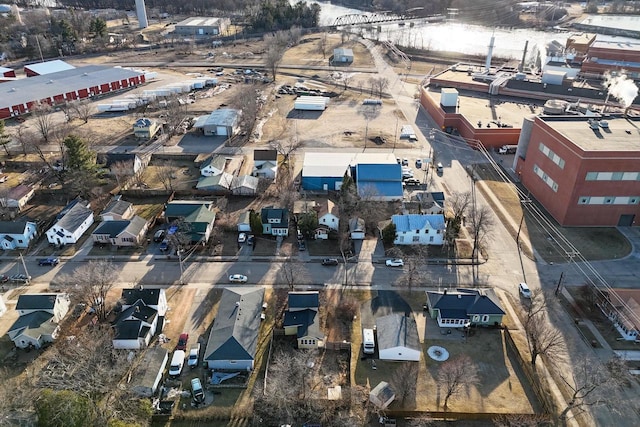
(199, 21)
(31, 89)
(397, 330)
(49, 67)
(223, 117)
(418, 222)
(336, 164)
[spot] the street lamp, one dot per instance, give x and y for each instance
(179, 253)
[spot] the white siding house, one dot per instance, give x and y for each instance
(71, 226)
(414, 229)
(40, 315)
(328, 214)
(17, 234)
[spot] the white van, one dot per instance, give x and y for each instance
(177, 362)
(368, 341)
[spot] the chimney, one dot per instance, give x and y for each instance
(445, 292)
(524, 56)
(487, 65)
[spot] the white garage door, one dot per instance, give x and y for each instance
(221, 130)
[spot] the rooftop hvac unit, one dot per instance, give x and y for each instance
(604, 124)
(593, 124)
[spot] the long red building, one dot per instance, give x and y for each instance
(19, 96)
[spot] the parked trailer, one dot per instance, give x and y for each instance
(311, 103)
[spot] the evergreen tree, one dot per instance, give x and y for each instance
(79, 156)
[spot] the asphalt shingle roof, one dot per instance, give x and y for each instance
(34, 324)
(397, 330)
(111, 228)
(183, 208)
(117, 206)
(74, 218)
(462, 303)
(218, 162)
(300, 300)
(221, 181)
(13, 227)
(148, 296)
(234, 335)
(36, 301)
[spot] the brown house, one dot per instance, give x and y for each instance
(119, 233)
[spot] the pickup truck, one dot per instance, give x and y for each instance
(194, 355)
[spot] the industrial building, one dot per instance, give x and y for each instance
(603, 56)
(584, 170)
(222, 122)
(19, 96)
(202, 26)
(7, 72)
(325, 171)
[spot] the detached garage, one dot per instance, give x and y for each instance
(398, 338)
(222, 122)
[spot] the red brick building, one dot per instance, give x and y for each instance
(612, 56)
(585, 172)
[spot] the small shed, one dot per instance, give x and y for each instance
(311, 103)
(407, 132)
(148, 374)
(342, 54)
(382, 395)
(244, 222)
(244, 185)
(356, 228)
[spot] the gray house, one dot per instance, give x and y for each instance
(465, 307)
(234, 337)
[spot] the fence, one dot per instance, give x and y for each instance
(344, 345)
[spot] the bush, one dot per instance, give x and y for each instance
(347, 309)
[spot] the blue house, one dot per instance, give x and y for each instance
(379, 181)
(17, 234)
(465, 307)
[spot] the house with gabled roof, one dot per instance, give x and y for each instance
(220, 183)
(275, 221)
(17, 197)
(17, 234)
(233, 340)
(303, 320)
(213, 166)
(197, 214)
(68, 229)
(465, 307)
(142, 317)
(415, 229)
(244, 185)
(121, 233)
(39, 321)
(265, 163)
(130, 163)
(145, 128)
(398, 338)
(117, 210)
(328, 214)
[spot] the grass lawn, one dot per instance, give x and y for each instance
(328, 248)
(109, 250)
(594, 243)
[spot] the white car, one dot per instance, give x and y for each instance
(242, 237)
(524, 290)
(395, 262)
(238, 278)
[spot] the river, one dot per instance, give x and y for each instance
(455, 36)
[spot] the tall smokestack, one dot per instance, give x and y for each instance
(142, 14)
(524, 56)
(487, 65)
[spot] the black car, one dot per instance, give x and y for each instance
(159, 236)
(49, 261)
(330, 261)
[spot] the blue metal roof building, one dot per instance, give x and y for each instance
(379, 181)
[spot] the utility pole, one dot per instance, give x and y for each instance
(559, 284)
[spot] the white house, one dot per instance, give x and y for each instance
(17, 197)
(117, 210)
(142, 317)
(398, 338)
(328, 214)
(244, 185)
(68, 229)
(265, 164)
(415, 229)
(17, 234)
(40, 315)
(342, 54)
(213, 166)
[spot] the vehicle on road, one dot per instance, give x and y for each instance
(238, 278)
(397, 262)
(4, 278)
(49, 261)
(330, 261)
(182, 341)
(197, 391)
(242, 237)
(508, 149)
(20, 278)
(194, 355)
(524, 290)
(159, 236)
(250, 240)
(439, 168)
(164, 246)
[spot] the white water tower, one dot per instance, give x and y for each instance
(142, 14)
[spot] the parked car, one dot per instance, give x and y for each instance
(419, 163)
(164, 245)
(4, 278)
(330, 261)
(238, 278)
(194, 355)
(20, 278)
(159, 236)
(250, 240)
(197, 391)
(397, 262)
(405, 162)
(524, 290)
(182, 341)
(49, 261)
(302, 246)
(439, 168)
(412, 181)
(242, 237)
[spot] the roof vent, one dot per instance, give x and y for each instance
(593, 124)
(50, 81)
(604, 124)
(13, 89)
(459, 296)
(85, 74)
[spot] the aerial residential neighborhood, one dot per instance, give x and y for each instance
(278, 214)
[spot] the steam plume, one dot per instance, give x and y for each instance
(621, 88)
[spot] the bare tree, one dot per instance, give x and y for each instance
(542, 337)
(166, 173)
(5, 138)
(176, 113)
(122, 171)
(404, 381)
(246, 100)
(83, 109)
(286, 148)
(369, 112)
(413, 263)
(481, 225)
(24, 138)
(90, 283)
(378, 85)
(347, 78)
(292, 273)
(523, 420)
(589, 385)
(43, 119)
(459, 203)
(323, 44)
(455, 376)
(276, 47)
